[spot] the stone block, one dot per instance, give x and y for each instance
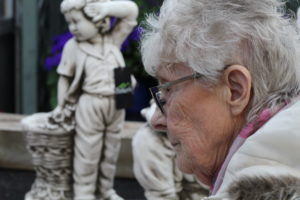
(14, 154)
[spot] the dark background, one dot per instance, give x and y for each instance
(14, 184)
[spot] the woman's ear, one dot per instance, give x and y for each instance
(238, 81)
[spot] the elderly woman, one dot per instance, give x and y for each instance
(229, 74)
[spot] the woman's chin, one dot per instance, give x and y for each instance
(184, 164)
(203, 179)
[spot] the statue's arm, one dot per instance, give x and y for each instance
(126, 10)
(66, 71)
(62, 89)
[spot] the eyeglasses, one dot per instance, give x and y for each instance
(157, 92)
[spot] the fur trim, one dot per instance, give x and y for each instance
(265, 188)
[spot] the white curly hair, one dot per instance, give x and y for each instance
(207, 35)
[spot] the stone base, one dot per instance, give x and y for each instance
(13, 152)
(44, 191)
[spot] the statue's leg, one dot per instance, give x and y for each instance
(154, 165)
(88, 142)
(110, 152)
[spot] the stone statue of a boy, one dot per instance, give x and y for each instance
(87, 81)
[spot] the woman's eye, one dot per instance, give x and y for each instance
(168, 89)
(162, 102)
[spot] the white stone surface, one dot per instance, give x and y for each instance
(14, 155)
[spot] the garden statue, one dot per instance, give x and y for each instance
(89, 116)
(155, 168)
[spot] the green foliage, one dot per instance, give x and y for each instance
(132, 55)
(52, 80)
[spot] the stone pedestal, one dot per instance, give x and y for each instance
(13, 153)
(52, 153)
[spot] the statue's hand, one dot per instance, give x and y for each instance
(57, 114)
(96, 11)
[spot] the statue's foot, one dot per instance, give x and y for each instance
(28, 196)
(111, 195)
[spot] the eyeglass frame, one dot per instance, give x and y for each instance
(154, 90)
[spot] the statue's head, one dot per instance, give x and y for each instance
(75, 6)
(68, 5)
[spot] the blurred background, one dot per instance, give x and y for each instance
(32, 35)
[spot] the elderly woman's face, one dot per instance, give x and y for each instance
(198, 122)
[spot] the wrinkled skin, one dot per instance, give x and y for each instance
(198, 121)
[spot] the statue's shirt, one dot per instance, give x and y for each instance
(91, 69)
(98, 71)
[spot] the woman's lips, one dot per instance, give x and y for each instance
(159, 128)
(176, 145)
(173, 140)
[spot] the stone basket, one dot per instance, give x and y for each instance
(52, 153)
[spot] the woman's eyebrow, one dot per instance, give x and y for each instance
(167, 73)
(161, 77)
(162, 80)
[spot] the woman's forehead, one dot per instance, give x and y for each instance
(169, 71)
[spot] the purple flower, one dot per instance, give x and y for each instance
(125, 45)
(136, 33)
(52, 62)
(113, 21)
(134, 36)
(57, 46)
(59, 42)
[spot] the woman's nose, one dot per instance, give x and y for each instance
(158, 121)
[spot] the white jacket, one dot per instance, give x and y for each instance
(267, 162)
